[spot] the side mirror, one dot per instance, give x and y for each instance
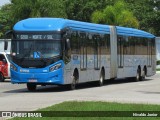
(68, 44)
(8, 33)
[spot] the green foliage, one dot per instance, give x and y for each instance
(148, 14)
(22, 9)
(97, 107)
(158, 62)
(82, 9)
(142, 14)
(98, 17)
(5, 20)
(100, 106)
(37, 8)
(116, 14)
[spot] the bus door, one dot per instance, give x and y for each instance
(149, 52)
(113, 48)
(83, 51)
(120, 52)
(153, 55)
(97, 51)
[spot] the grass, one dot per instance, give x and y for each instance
(158, 69)
(158, 62)
(106, 107)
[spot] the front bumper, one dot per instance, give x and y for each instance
(55, 77)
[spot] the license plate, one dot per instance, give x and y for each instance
(32, 80)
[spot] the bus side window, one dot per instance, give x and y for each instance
(97, 51)
(74, 43)
(120, 51)
(67, 49)
(132, 45)
(83, 51)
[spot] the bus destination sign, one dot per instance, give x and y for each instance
(37, 37)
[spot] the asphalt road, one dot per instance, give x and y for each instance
(18, 98)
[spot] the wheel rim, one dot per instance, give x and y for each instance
(138, 76)
(101, 80)
(143, 75)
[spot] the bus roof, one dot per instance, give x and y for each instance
(133, 32)
(57, 24)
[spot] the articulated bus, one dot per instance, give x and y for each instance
(57, 51)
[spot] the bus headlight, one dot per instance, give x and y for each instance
(55, 67)
(13, 67)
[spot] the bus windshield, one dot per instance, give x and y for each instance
(36, 48)
(36, 45)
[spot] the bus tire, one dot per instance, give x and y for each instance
(101, 79)
(143, 75)
(138, 75)
(144, 72)
(75, 78)
(31, 86)
(73, 84)
(1, 77)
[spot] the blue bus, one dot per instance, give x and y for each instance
(57, 51)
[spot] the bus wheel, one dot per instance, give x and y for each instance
(1, 77)
(31, 86)
(73, 84)
(143, 75)
(101, 80)
(75, 78)
(138, 76)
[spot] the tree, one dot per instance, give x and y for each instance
(5, 20)
(82, 9)
(22, 9)
(116, 14)
(148, 14)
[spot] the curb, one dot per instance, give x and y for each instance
(157, 71)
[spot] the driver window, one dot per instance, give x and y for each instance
(2, 58)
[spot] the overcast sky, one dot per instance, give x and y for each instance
(2, 2)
